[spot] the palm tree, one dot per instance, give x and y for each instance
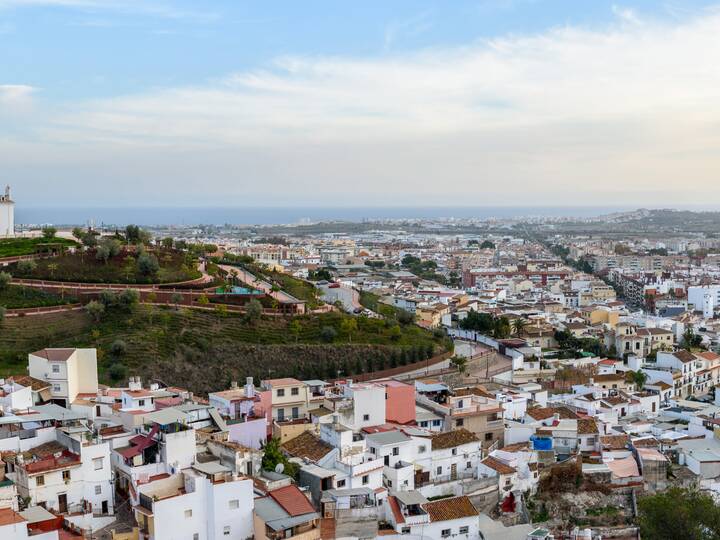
(518, 325)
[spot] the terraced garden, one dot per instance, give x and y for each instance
(13, 297)
(14, 247)
(204, 350)
(172, 266)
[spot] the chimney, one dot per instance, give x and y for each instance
(591, 381)
(249, 387)
(135, 384)
(336, 422)
(233, 385)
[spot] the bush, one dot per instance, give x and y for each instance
(117, 372)
(27, 266)
(95, 309)
(328, 334)
(118, 347)
(5, 279)
(148, 265)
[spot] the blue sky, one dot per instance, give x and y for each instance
(394, 102)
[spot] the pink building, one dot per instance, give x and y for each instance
(399, 402)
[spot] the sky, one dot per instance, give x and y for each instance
(373, 103)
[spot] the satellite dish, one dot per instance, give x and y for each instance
(279, 468)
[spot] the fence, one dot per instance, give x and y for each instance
(391, 372)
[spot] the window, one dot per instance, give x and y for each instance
(188, 514)
(40, 480)
(98, 463)
(396, 451)
(366, 480)
(405, 530)
(341, 483)
(464, 530)
(468, 465)
(424, 423)
(141, 402)
(445, 533)
(436, 423)
(507, 481)
(422, 449)
(56, 388)
(55, 368)
(439, 471)
(295, 412)
(366, 417)
(234, 504)
(460, 404)
(226, 530)
(294, 391)
(454, 451)
(196, 536)
(281, 392)
(389, 483)
(98, 490)
(488, 437)
(459, 422)
(66, 475)
(281, 415)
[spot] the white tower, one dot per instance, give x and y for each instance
(7, 215)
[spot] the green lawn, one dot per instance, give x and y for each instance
(14, 247)
(14, 296)
(175, 266)
(204, 350)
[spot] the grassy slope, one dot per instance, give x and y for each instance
(26, 246)
(14, 296)
(204, 350)
(84, 267)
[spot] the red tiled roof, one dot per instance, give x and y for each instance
(55, 355)
(448, 509)
(292, 500)
(9, 517)
(498, 465)
(395, 507)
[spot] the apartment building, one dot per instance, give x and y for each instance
(70, 372)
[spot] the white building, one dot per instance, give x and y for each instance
(70, 372)
(209, 505)
(697, 297)
(7, 215)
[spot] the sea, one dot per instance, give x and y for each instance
(276, 215)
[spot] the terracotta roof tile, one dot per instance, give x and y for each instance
(308, 446)
(292, 500)
(55, 355)
(497, 465)
(452, 508)
(451, 439)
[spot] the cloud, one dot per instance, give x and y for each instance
(13, 94)
(573, 115)
(413, 26)
(124, 7)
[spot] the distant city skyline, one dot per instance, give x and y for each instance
(514, 103)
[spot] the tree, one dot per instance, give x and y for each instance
(26, 266)
(167, 242)
(95, 309)
(487, 244)
(118, 348)
(49, 233)
(459, 363)
(348, 326)
(117, 372)
(148, 264)
(5, 280)
(295, 329)
(638, 378)
(176, 299)
(273, 456)
(679, 513)
(107, 249)
(78, 233)
(128, 299)
(518, 325)
(253, 310)
(328, 334)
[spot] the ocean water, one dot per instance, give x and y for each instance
(220, 215)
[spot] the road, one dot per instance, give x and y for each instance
(349, 297)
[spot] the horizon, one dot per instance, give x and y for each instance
(411, 103)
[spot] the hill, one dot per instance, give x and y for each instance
(205, 350)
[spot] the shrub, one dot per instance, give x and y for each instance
(328, 334)
(148, 264)
(118, 347)
(5, 279)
